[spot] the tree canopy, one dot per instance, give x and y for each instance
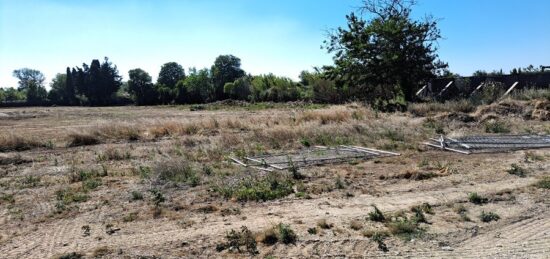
(226, 69)
(386, 57)
(170, 73)
(140, 86)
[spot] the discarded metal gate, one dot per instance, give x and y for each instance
(317, 155)
(490, 143)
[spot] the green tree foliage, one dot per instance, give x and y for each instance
(169, 75)
(11, 95)
(32, 82)
(140, 86)
(198, 85)
(239, 90)
(321, 89)
(36, 94)
(96, 84)
(277, 89)
(387, 57)
(226, 69)
(57, 91)
(27, 76)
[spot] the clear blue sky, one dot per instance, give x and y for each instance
(282, 37)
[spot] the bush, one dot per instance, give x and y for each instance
(265, 188)
(496, 127)
(82, 139)
(475, 198)
(176, 170)
(235, 240)
(11, 142)
(544, 183)
(286, 234)
(488, 216)
(136, 195)
(517, 170)
(376, 215)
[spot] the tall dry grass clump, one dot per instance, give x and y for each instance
(13, 142)
(433, 108)
(335, 114)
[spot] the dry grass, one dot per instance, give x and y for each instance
(432, 108)
(13, 142)
(175, 185)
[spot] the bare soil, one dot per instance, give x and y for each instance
(195, 218)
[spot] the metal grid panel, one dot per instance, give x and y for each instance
(491, 143)
(318, 155)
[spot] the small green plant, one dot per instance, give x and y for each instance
(136, 195)
(517, 170)
(286, 234)
(463, 212)
(306, 142)
(488, 216)
(73, 255)
(91, 184)
(419, 216)
(339, 183)
(86, 229)
(158, 197)
(404, 227)
(475, 198)
(130, 217)
(235, 240)
(544, 183)
(8, 198)
(497, 127)
(312, 231)
(376, 215)
(296, 175)
(379, 237)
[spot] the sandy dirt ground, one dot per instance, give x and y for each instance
(194, 219)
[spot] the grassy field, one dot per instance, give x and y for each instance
(156, 181)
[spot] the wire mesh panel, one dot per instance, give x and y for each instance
(318, 155)
(491, 143)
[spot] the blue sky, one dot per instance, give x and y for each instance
(282, 37)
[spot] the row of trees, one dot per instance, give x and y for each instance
(101, 84)
(382, 57)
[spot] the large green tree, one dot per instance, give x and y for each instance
(58, 91)
(32, 82)
(226, 69)
(198, 85)
(140, 86)
(170, 73)
(27, 76)
(97, 83)
(387, 57)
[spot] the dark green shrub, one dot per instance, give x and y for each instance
(488, 216)
(475, 198)
(376, 215)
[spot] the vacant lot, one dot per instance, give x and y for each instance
(156, 181)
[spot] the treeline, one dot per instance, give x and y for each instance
(100, 84)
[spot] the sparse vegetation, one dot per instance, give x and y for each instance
(544, 183)
(265, 188)
(488, 216)
(376, 215)
(235, 240)
(475, 198)
(324, 224)
(497, 127)
(515, 169)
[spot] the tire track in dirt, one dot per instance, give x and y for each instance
(68, 230)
